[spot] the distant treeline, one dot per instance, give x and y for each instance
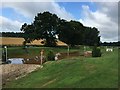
(111, 43)
(21, 35)
(12, 34)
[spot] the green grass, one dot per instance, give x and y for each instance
(77, 72)
(19, 52)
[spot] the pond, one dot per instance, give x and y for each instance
(23, 61)
(15, 60)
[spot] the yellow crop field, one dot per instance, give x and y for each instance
(19, 41)
(11, 41)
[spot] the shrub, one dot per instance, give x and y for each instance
(50, 56)
(96, 52)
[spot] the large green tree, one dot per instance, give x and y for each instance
(74, 33)
(43, 27)
(91, 36)
(29, 32)
(47, 25)
(71, 32)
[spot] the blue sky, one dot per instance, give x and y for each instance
(13, 15)
(76, 7)
(102, 15)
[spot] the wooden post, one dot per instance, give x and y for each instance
(41, 59)
(68, 50)
(84, 48)
(6, 52)
(41, 56)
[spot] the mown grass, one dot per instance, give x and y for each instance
(77, 72)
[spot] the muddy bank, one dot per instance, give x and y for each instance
(15, 71)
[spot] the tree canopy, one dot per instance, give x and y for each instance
(47, 25)
(43, 27)
(71, 32)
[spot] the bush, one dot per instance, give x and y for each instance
(96, 52)
(50, 56)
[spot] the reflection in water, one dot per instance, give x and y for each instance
(15, 60)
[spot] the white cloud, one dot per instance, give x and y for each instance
(7, 25)
(30, 9)
(105, 19)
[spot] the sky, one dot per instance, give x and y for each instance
(102, 15)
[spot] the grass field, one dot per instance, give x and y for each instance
(19, 52)
(19, 41)
(81, 72)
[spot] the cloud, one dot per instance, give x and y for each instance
(30, 9)
(105, 18)
(110, 9)
(7, 25)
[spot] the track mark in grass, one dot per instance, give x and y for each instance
(90, 66)
(49, 82)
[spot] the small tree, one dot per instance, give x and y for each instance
(96, 52)
(50, 56)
